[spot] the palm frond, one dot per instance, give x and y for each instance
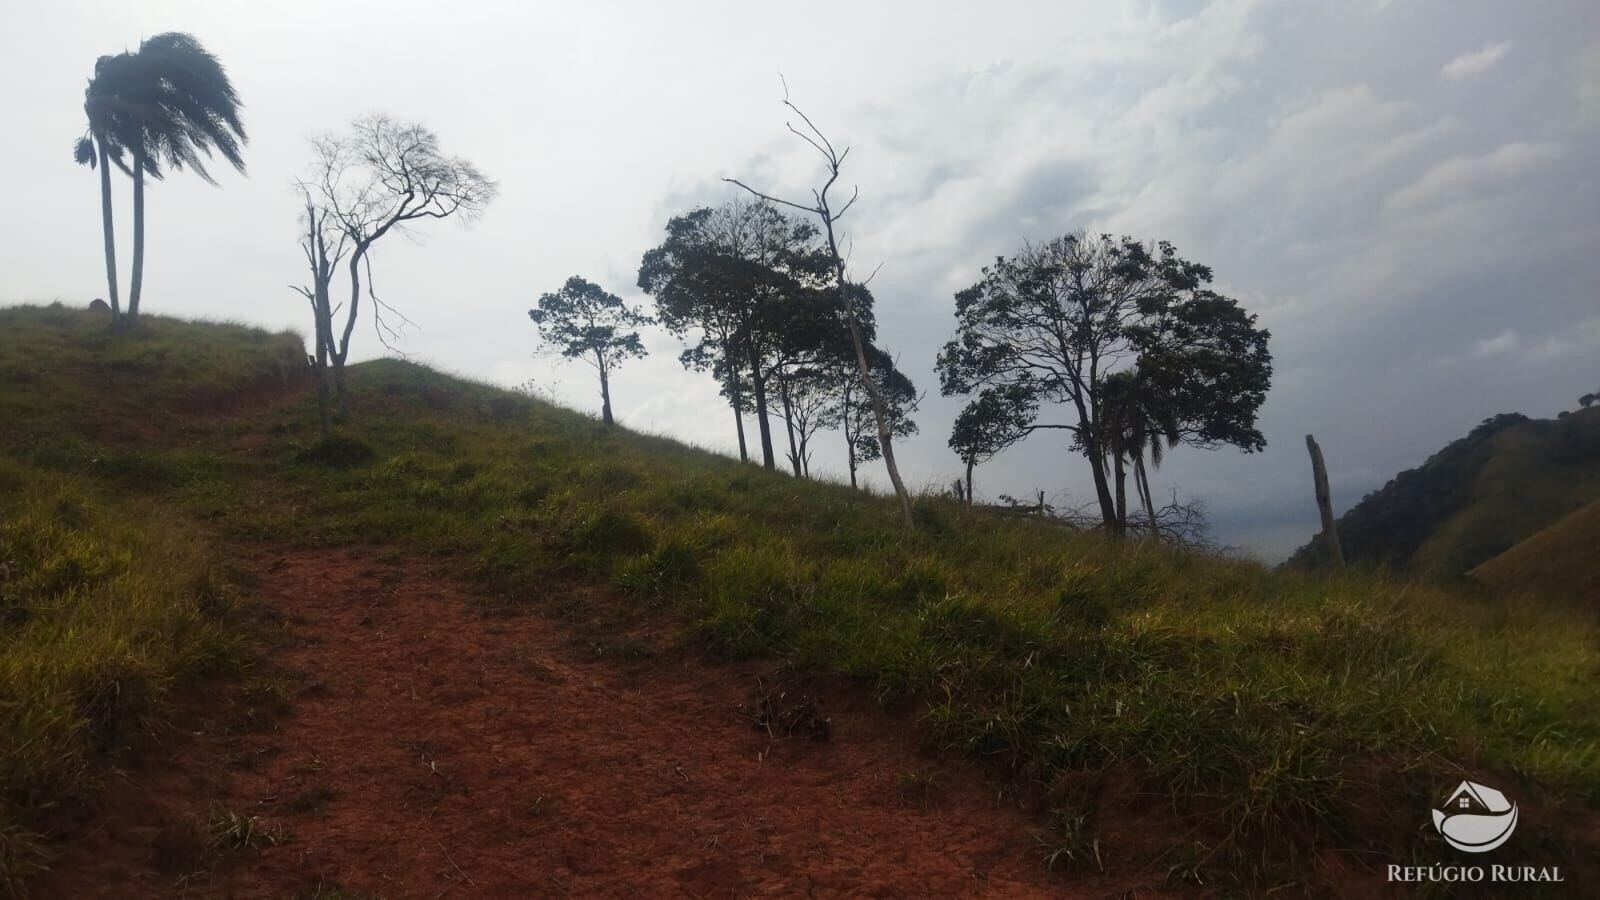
(171, 102)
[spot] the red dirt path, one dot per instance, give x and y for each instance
(482, 756)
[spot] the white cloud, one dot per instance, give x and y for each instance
(1505, 342)
(1459, 176)
(1581, 339)
(1469, 64)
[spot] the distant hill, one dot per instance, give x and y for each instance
(1557, 561)
(1479, 496)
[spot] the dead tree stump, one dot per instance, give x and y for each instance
(1330, 532)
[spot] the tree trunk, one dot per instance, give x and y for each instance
(1097, 467)
(734, 398)
(324, 410)
(110, 232)
(322, 308)
(605, 394)
(788, 424)
(850, 455)
(342, 405)
(1141, 477)
(879, 414)
(768, 461)
(1120, 472)
(1330, 531)
(138, 237)
(970, 463)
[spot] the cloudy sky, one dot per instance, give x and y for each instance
(1405, 191)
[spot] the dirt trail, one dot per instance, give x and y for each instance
(430, 749)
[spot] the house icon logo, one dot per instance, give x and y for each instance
(1476, 819)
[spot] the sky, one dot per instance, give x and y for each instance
(1404, 191)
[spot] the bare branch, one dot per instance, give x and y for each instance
(772, 199)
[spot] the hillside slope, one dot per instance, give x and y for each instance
(1295, 728)
(1476, 498)
(1560, 561)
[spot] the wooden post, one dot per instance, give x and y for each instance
(1330, 532)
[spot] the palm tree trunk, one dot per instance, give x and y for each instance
(138, 236)
(110, 232)
(1121, 475)
(1142, 477)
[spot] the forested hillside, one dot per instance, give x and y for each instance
(1476, 498)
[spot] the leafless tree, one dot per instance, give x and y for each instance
(383, 176)
(822, 207)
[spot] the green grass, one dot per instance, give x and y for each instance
(1279, 714)
(106, 607)
(1536, 472)
(1551, 563)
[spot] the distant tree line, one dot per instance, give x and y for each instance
(1121, 345)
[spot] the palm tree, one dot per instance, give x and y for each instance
(99, 147)
(170, 103)
(1139, 425)
(1152, 432)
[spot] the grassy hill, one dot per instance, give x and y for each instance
(1558, 561)
(1272, 721)
(1477, 497)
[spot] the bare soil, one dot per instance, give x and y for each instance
(405, 741)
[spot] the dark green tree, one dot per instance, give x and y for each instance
(583, 321)
(724, 277)
(810, 356)
(994, 420)
(857, 412)
(829, 212)
(168, 104)
(1057, 319)
(1140, 426)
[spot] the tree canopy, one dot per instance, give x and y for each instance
(1049, 326)
(584, 321)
